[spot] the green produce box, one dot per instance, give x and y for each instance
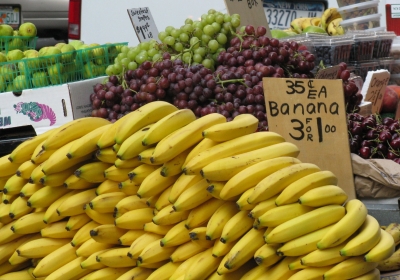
(23, 43)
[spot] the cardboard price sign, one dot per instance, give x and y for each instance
(251, 12)
(375, 86)
(143, 23)
(311, 114)
(328, 73)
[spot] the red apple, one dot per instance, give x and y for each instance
(389, 102)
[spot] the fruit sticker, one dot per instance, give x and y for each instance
(36, 111)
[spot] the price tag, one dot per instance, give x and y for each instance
(329, 73)
(251, 12)
(374, 86)
(143, 23)
(311, 114)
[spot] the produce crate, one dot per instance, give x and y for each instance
(23, 43)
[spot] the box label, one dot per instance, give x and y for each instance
(143, 23)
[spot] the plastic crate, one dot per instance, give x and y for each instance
(23, 43)
(332, 50)
(113, 51)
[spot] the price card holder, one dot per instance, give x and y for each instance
(328, 73)
(251, 12)
(374, 88)
(311, 114)
(143, 23)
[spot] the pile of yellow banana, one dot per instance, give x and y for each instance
(329, 21)
(160, 194)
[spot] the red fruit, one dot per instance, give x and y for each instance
(395, 143)
(385, 135)
(249, 29)
(390, 100)
(391, 155)
(261, 31)
(365, 152)
(397, 160)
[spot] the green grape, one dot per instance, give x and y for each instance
(227, 26)
(201, 51)
(124, 49)
(210, 18)
(208, 63)
(162, 35)
(217, 26)
(197, 24)
(183, 37)
(209, 30)
(197, 58)
(224, 31)
(221, 38)
(227, 18)
(118, 68)
(132, 65)
(203, 17)
(188, 21)
(235, 22)
(110, 70)
(121, 56)
(169, 40)
(157, 57)
(178, 46)
(211, 11)
(194, 42)
(187, 28)
(125, 61)
(175, 33)
(213, 45)
(168, 29)
(116, 60)
(151, 52)
(242, 28)
(197, 32)
(219, 18)
(144, 45)
(205, 38)
(141, 57)
(186, 57)
(236, 16)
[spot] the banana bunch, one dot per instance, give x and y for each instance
(160, 194)
(299, 24)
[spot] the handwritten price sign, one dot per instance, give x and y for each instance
(143, 23)
(311, 114)
(375, 86)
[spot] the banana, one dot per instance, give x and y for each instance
(183, 138)
(39, 248)
(129, 203)
(215, 187)
(161, 230)
(155, 184)
(254, 273)
(236, 226)
(3, 181)
(198, 233)
(145, 156)
(107, 139)
(325, 195)
(128, 187)
(92, 172)
(135, 219)
(279, 180)
(39, 155)
(372, 275)
(129, 163)
(162, 200)
(140, 243)
(30, 223)
(184, 266)
(107, 273)
(350, 268)
(278, 215)
(192, 197)
(107, 155)
(176, 236)
(231, 148)
(87, 143)
(24, 274)
(310, 273)
(145, 115)
(46, 196)
(83, 233)
(356, 212)
(19, 208)
(241, 125)
(189, 249)
(181, 184)
(51, 214)
(262, 207)
(266, 255)
(24, 151)
(107, 186)
(76, 183)
(74, 204)
(394, 230)
(15, 258)
(90, 247)
(8, 198)
(168, 124)
(251, 176)
(101, 218)
(221, 249)
(130, 236)
(202, 213)
(152, 265)
(154, 253)
(234, 276)
(242, 202)
(381, 251)
(367, 237)
(116, 257)
(198, 148)
(326, 257)
(168, 216)
(57, 230)
(132, 146)
(306, 223)
(391, 263)
(203, 266)
(8, 168)
(91, 262)
(316, 21)
(296, 25)
(305, 23)
(327, 16)
(7, 250)
(108, 234)
(292, 193)
(72, 130)
(71, 270)
(334, 27)
(29, 189)
(14, 185)
(174, 166)
(25, 169)
(36, 174)
(137, 273)
(226, 168)
(164, 271)
(105, 203)
(117, 174)
(138, 174)
(242, 251)
(6, 267)
(54, 260)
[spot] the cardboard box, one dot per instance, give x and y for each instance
(47, 107)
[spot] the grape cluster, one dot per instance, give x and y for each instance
(352, 94)
(374, 137)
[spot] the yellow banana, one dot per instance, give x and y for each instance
(137, 273)
(140, 243)
(254, 273)
(145, 115)
(83, 233)
(176, 236)
(116, 257)
(91, 262)
(350, 268)
(71, 270)
(107, 139)
(87, 143)
(108, 273)
(296, 189)
(181, 184)
(202, 213)
(90, 247)
(325, 195)
(14, 185)
(279, 180)
(134, 219)
(30, 223)
(129, 163)
(128, 187)
(192, 197)
(117, 174)
(92, 172)
(174, 166)
(3, 181)
(328, 15)
(57, 230)
(161, 230)
(310, 273)
(215, 188)
(108, 234)
(305, 23)
(105, 203)
(391, 263)
(199, 147)
(242, 202)
(6, 267)
(262, 207)
(7, 250)
(54, 260)
(266, 255)
(29, 189)
(164, 271)
(46, 196)
(189, 249)
(101, 218)
(372, 275)
(162, 200)
(130, 236)
(236, 226)
(36, 174)
(219, 219)
(107, 155)
(184, 266)
(326, 257)
(356, 212)
(394, 230)
(316, 21)
(73, 205)
(306, 223)
(40, 155)
(24, 274)
(51, 214)
(8, 199)
(132, 146)
(8, 168)
(76, 183)
(296, 25)
(168, 216)
(154, 253)
(39, 248)
(221, 249)
(225, 168)
(72, 130)
(107, 186)
(25, 169)
(183, 138)
(251, 176)
(145, 156)
(203, 266)
(19, 208)
(129, 203)
(199, 233)
(155, 183)
(15, 258)
(382, 250)
(138, 174)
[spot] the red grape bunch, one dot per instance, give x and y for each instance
(352, 94)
